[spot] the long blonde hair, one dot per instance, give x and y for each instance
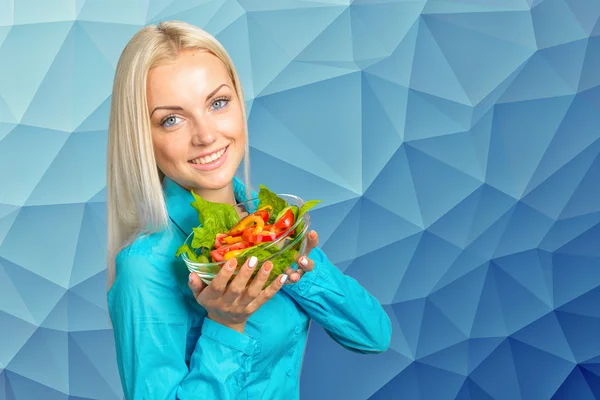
(135, 197)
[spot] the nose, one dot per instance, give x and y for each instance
(203, 131)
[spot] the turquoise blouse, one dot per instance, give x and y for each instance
(167, 349)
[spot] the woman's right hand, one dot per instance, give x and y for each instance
(231, 305)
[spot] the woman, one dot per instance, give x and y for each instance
(178, 123)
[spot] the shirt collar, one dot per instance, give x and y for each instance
(178, 202)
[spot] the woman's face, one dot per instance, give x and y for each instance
(197, 121)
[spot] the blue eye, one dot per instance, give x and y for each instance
(169, 121)
(220, 102)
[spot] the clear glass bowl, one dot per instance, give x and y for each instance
(287, 248)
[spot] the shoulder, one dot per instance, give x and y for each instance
(161, 244)
(150, 261)
(149, 283)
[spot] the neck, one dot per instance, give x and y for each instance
(223, 195)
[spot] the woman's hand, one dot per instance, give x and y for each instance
(305, 264)
(231, 305)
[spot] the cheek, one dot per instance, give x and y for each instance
(233, 125)
(167, 152)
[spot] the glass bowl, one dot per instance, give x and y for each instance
(282, 252)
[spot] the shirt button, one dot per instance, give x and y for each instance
(302, 285)
(297, 329)
(289, 372)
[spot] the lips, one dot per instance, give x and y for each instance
(201, 164)
(214, 156)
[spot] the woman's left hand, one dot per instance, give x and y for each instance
(305, 264)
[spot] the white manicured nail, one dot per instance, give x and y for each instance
(283, 279)
(252, 262)
(304, 261)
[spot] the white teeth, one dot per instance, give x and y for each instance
(209, 158)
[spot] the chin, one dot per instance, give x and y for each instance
(214, 180)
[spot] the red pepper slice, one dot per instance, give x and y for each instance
(264, 236)
(263, 213)
(247, 222)
(219, 254)
(285, 221)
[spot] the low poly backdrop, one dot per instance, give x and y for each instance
(455, 145)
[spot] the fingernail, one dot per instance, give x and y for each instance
(267, 267)
(304, 261)
(313, 234)
(229, 265)
(283, 279)
(252, 262)
(190, 277)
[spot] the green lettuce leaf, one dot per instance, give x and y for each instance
(280, 262)
(268, 198)
(214, 218)
(217, 217)
(203, 237)
(307, 206)
(303, 210)
(185, 248)
(260, 251)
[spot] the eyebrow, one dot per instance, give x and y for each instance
(181, 109)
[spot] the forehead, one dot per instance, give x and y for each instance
(193, 73)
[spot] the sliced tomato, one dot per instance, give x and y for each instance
(219, 239)
(219, 254)
(285, 221)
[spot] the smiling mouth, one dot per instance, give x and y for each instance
(209, 158)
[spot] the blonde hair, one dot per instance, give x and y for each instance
(135, 197)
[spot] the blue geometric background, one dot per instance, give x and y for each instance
(455, 144)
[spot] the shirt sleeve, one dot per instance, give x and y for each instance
(150, 321)
(346, 310)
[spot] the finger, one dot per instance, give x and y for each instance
(313, 241)
(219, 283)
(238, 286)
(295, 276)
(306, 264)
(268, 293)
(196, 284)
(258, 283)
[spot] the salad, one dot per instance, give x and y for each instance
(222, 234)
